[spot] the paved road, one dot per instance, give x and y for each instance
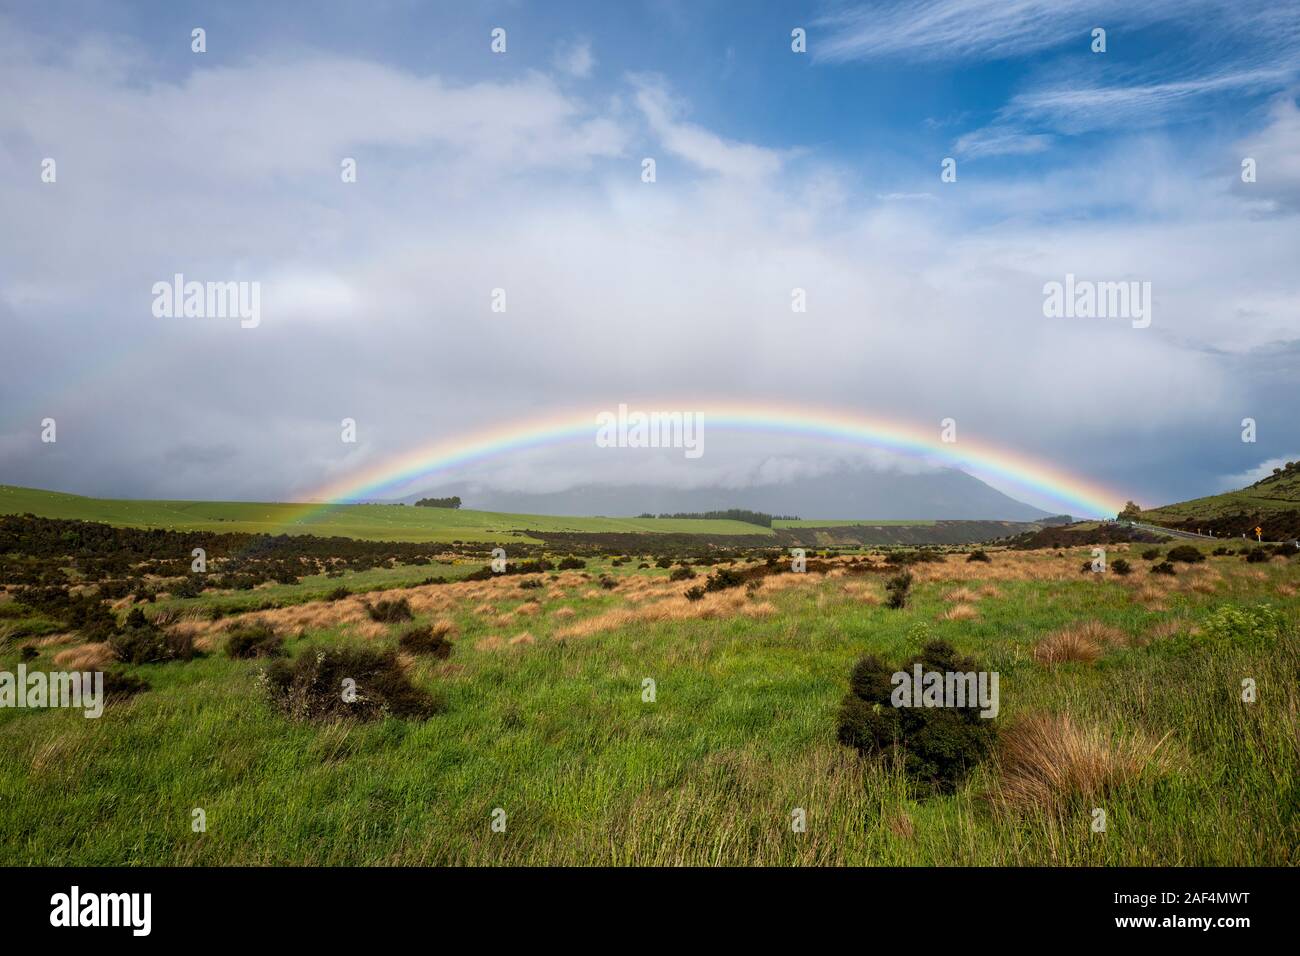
(1192, 535)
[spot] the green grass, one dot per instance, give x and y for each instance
(848, 523)
(370, 522)
(1275, 493)
(741, 733)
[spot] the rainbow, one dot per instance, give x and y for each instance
(1007, 470)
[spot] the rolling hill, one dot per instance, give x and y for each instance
(371, 522)
(1272, 503)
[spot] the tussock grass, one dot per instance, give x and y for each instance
(1052, 762)
(741, 734)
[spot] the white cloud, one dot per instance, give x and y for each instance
(575, 59)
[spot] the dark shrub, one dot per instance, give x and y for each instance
(254, 640)
(136, 618)
(120, 686)
(1256, 556)
(148, 645)
(1164, 567)
(427, 640)
(312, 687)
(390, 612)
(187, 588)
(695, 593)
(1121, 567)
(338, 594)
(664, 563)
(722, 579)
(1219, 552)
(1187, 553)
(1150, 554)
(898, 587)
(29, 652)
(680, 574)
(608, 583)
(572, 564)
(938, 746)
(979, 556)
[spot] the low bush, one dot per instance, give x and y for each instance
(148, 645)
(1164, 567)
(694, 593)
(429, 639)
(1121, 567)
(572, 564)
(978, 555)
(316, 687)
(898, 588)
(680, 574)
(1187, 553)
(722, 579)
(937, 746)
(1150, 554)
(254, 640)
(387, 611)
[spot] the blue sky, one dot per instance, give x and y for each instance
(775, 170)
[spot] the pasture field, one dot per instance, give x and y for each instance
(849, 523)
(368, 522)
(544, 722)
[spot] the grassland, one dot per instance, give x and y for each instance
(545, 719)
(1276, 493)
(848, 523)
(369, 522)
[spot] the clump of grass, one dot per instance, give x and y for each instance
(346, 683)
(431, 639)
(1082, 642)
(254, 640)
(1049, 762)
(961, 612)
(387, 611)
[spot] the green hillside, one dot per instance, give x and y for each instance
(371, 522)
(1272, 503)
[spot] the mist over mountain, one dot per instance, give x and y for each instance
(844, 493)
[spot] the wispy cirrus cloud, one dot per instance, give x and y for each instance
(1079, 109)
(947, 30)
(1000, 141)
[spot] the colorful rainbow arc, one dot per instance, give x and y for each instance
(998, 466)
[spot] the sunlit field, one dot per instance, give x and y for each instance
(546, 723)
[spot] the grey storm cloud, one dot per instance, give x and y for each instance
(376, 295)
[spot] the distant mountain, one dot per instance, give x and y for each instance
(845, 493)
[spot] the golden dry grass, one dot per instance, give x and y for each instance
(87, 657)
(1050, 762)
(960, 612)
(1083, 641)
